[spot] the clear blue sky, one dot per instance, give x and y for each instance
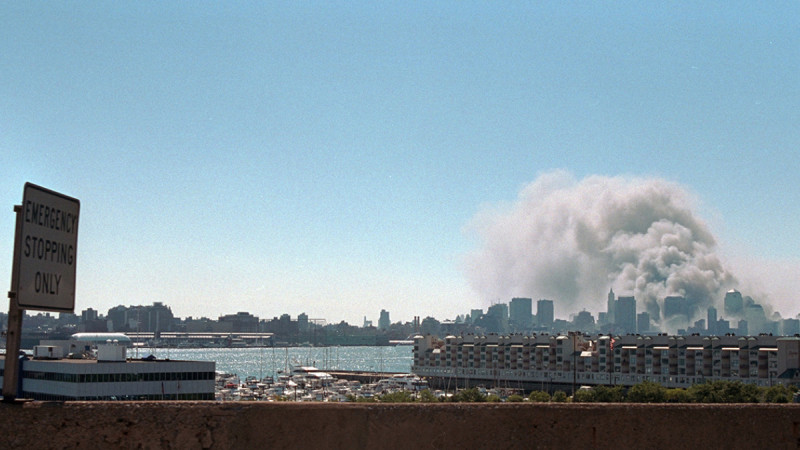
(325, 157)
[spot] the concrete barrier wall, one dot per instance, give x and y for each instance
(156, 425)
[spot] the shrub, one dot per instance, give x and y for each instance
(724, 392)
(606, 394)
(396, 397)
(514, 398)
(559, 396)
(426, 396)
(584, 396)
(647, 392)
(539, 397)
(471, 395)
(678, 395)
(777, 394)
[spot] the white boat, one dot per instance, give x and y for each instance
(401, 382)
(311, 377)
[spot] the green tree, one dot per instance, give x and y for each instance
(471, 395)
(559, 396)
(493, 398)
(607, 394)
(396, 397)
(647, 392)
(724, 392)
(584, 396)
(539, 397)
(678, 395)
(426, 396)
(515, 398)
(777, 394)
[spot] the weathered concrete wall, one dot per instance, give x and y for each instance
(156, 425)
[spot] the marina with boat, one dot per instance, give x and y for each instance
(332, 374)
(308, 383)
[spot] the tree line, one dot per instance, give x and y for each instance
(645, 392)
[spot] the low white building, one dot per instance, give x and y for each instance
(111, 376)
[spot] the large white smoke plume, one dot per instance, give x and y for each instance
(571, 241)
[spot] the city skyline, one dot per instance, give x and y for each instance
(737, 313)
(327, 158)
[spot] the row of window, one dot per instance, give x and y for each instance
(62, 398)
(116, 377)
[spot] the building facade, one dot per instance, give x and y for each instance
(112, 376)
(576, 359)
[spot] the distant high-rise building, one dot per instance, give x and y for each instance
(723, 327)
(545, 313)
(712, 320)
(675, 305)
(498, 310)
(584, 321)
(302, 322)
(676, 311)
(242, 321)
(699, 326)
(496, 320)
(733, 304)
(475, 314)
(88, 314)
(741, 328)
(625, 313)
(643, 322)
(521, 313)
(756, 319)
(790, 327)
(383, 322)
(610, 304)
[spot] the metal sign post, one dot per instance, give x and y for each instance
(43, 273)
(14, 323)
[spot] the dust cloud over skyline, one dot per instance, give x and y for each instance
(571, 240)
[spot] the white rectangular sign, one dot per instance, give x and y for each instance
(48, 250)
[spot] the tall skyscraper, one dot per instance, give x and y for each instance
(643, 322)
(497, 318)
(544, 313)
(521, 313)
(733, 304)
(498, 310)
(302, 322)
(756, 319)
(676, 311)
(383, 320)
(611, 303)
(675, 305)
(625, 312)
(712, 321)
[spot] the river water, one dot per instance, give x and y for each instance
(266, 361)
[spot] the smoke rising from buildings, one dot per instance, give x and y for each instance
(571, 240)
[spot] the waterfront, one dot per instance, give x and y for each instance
(267, 361)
